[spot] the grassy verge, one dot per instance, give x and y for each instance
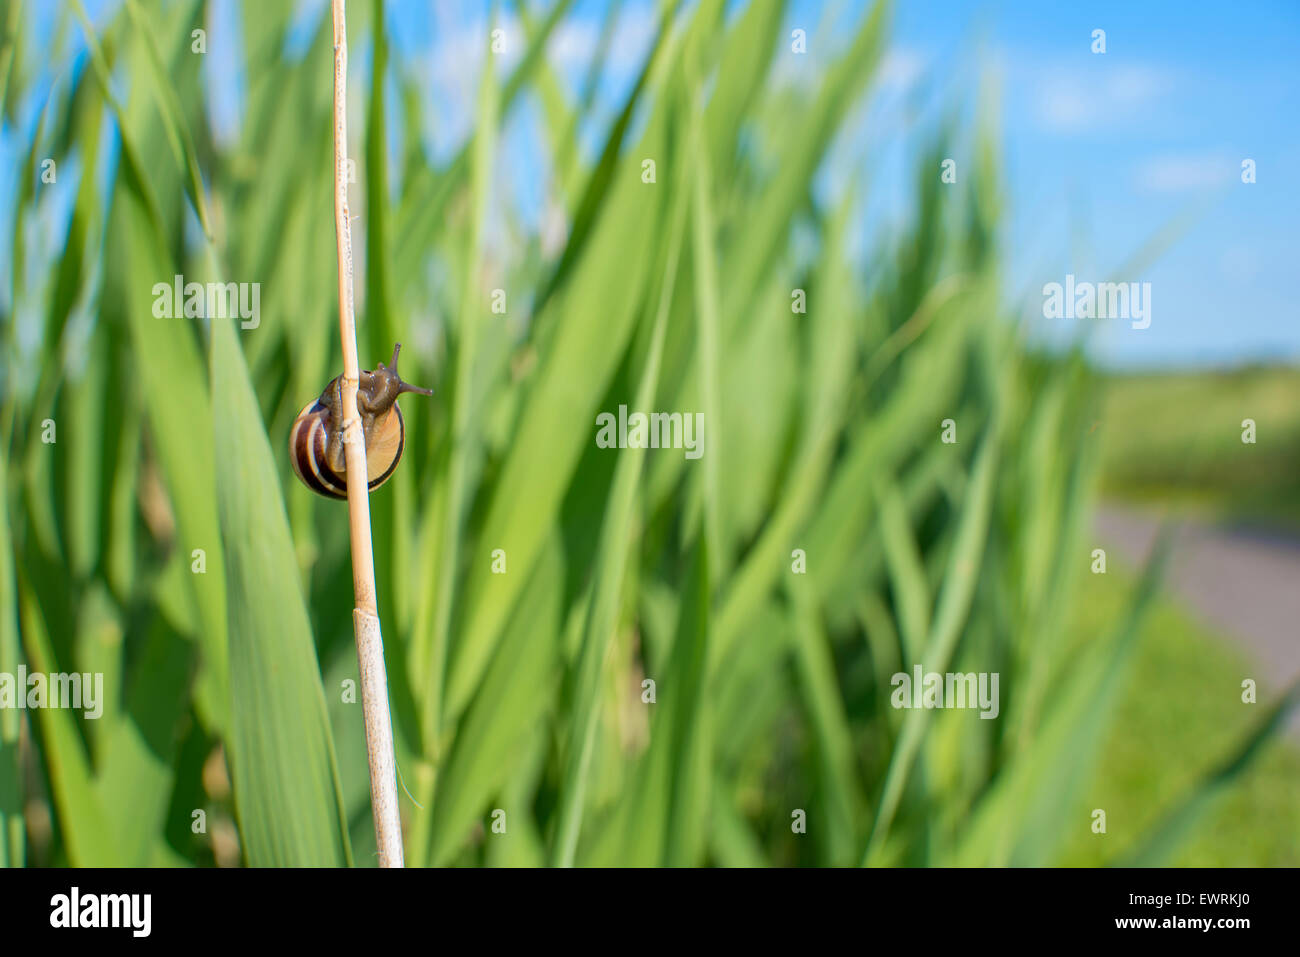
(1177, 438)
(1180, 713)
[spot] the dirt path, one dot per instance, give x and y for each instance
(1244, 582)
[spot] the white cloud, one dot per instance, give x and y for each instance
(1186, 172)
(1074, 102)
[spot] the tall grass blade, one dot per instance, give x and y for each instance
(282, 754)
(602, 611)
(12, 836)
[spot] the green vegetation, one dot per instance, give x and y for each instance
(1180, 714)
(1178, 437)
(531, 583)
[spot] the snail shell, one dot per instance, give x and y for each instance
(316, 440)
(308, 449)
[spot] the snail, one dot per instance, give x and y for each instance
(316, 439)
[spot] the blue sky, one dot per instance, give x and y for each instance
(1101, 151)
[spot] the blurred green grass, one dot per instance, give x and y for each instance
(1180, 713)
(1173, 440)
(826, 540)
(1176, 438)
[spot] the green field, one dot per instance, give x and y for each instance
(1177, 437)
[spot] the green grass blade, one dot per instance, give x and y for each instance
(954, 604)
(1031, 794)
(88, 838)
(706, 302)
(747, 53)
(516, 691)
(1156, 849)
(906, 572)
(136, 779)
(731, 840)
(875, 445)
(833, 741)
(595, 316)
(463, 445)
(424, 212)
(563, 122)
(173, 382)
(132, 159)
(8, 43)
(173, 118)
(611, 556)
(804, 146)
(12, 831)
(599, 183)
(379, 305)
(689, 720)
(282, 755)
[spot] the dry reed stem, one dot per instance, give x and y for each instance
(365, 616)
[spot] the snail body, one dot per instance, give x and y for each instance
(316, 438)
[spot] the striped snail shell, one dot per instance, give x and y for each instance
(316, 439)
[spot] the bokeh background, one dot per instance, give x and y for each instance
(797, 268)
